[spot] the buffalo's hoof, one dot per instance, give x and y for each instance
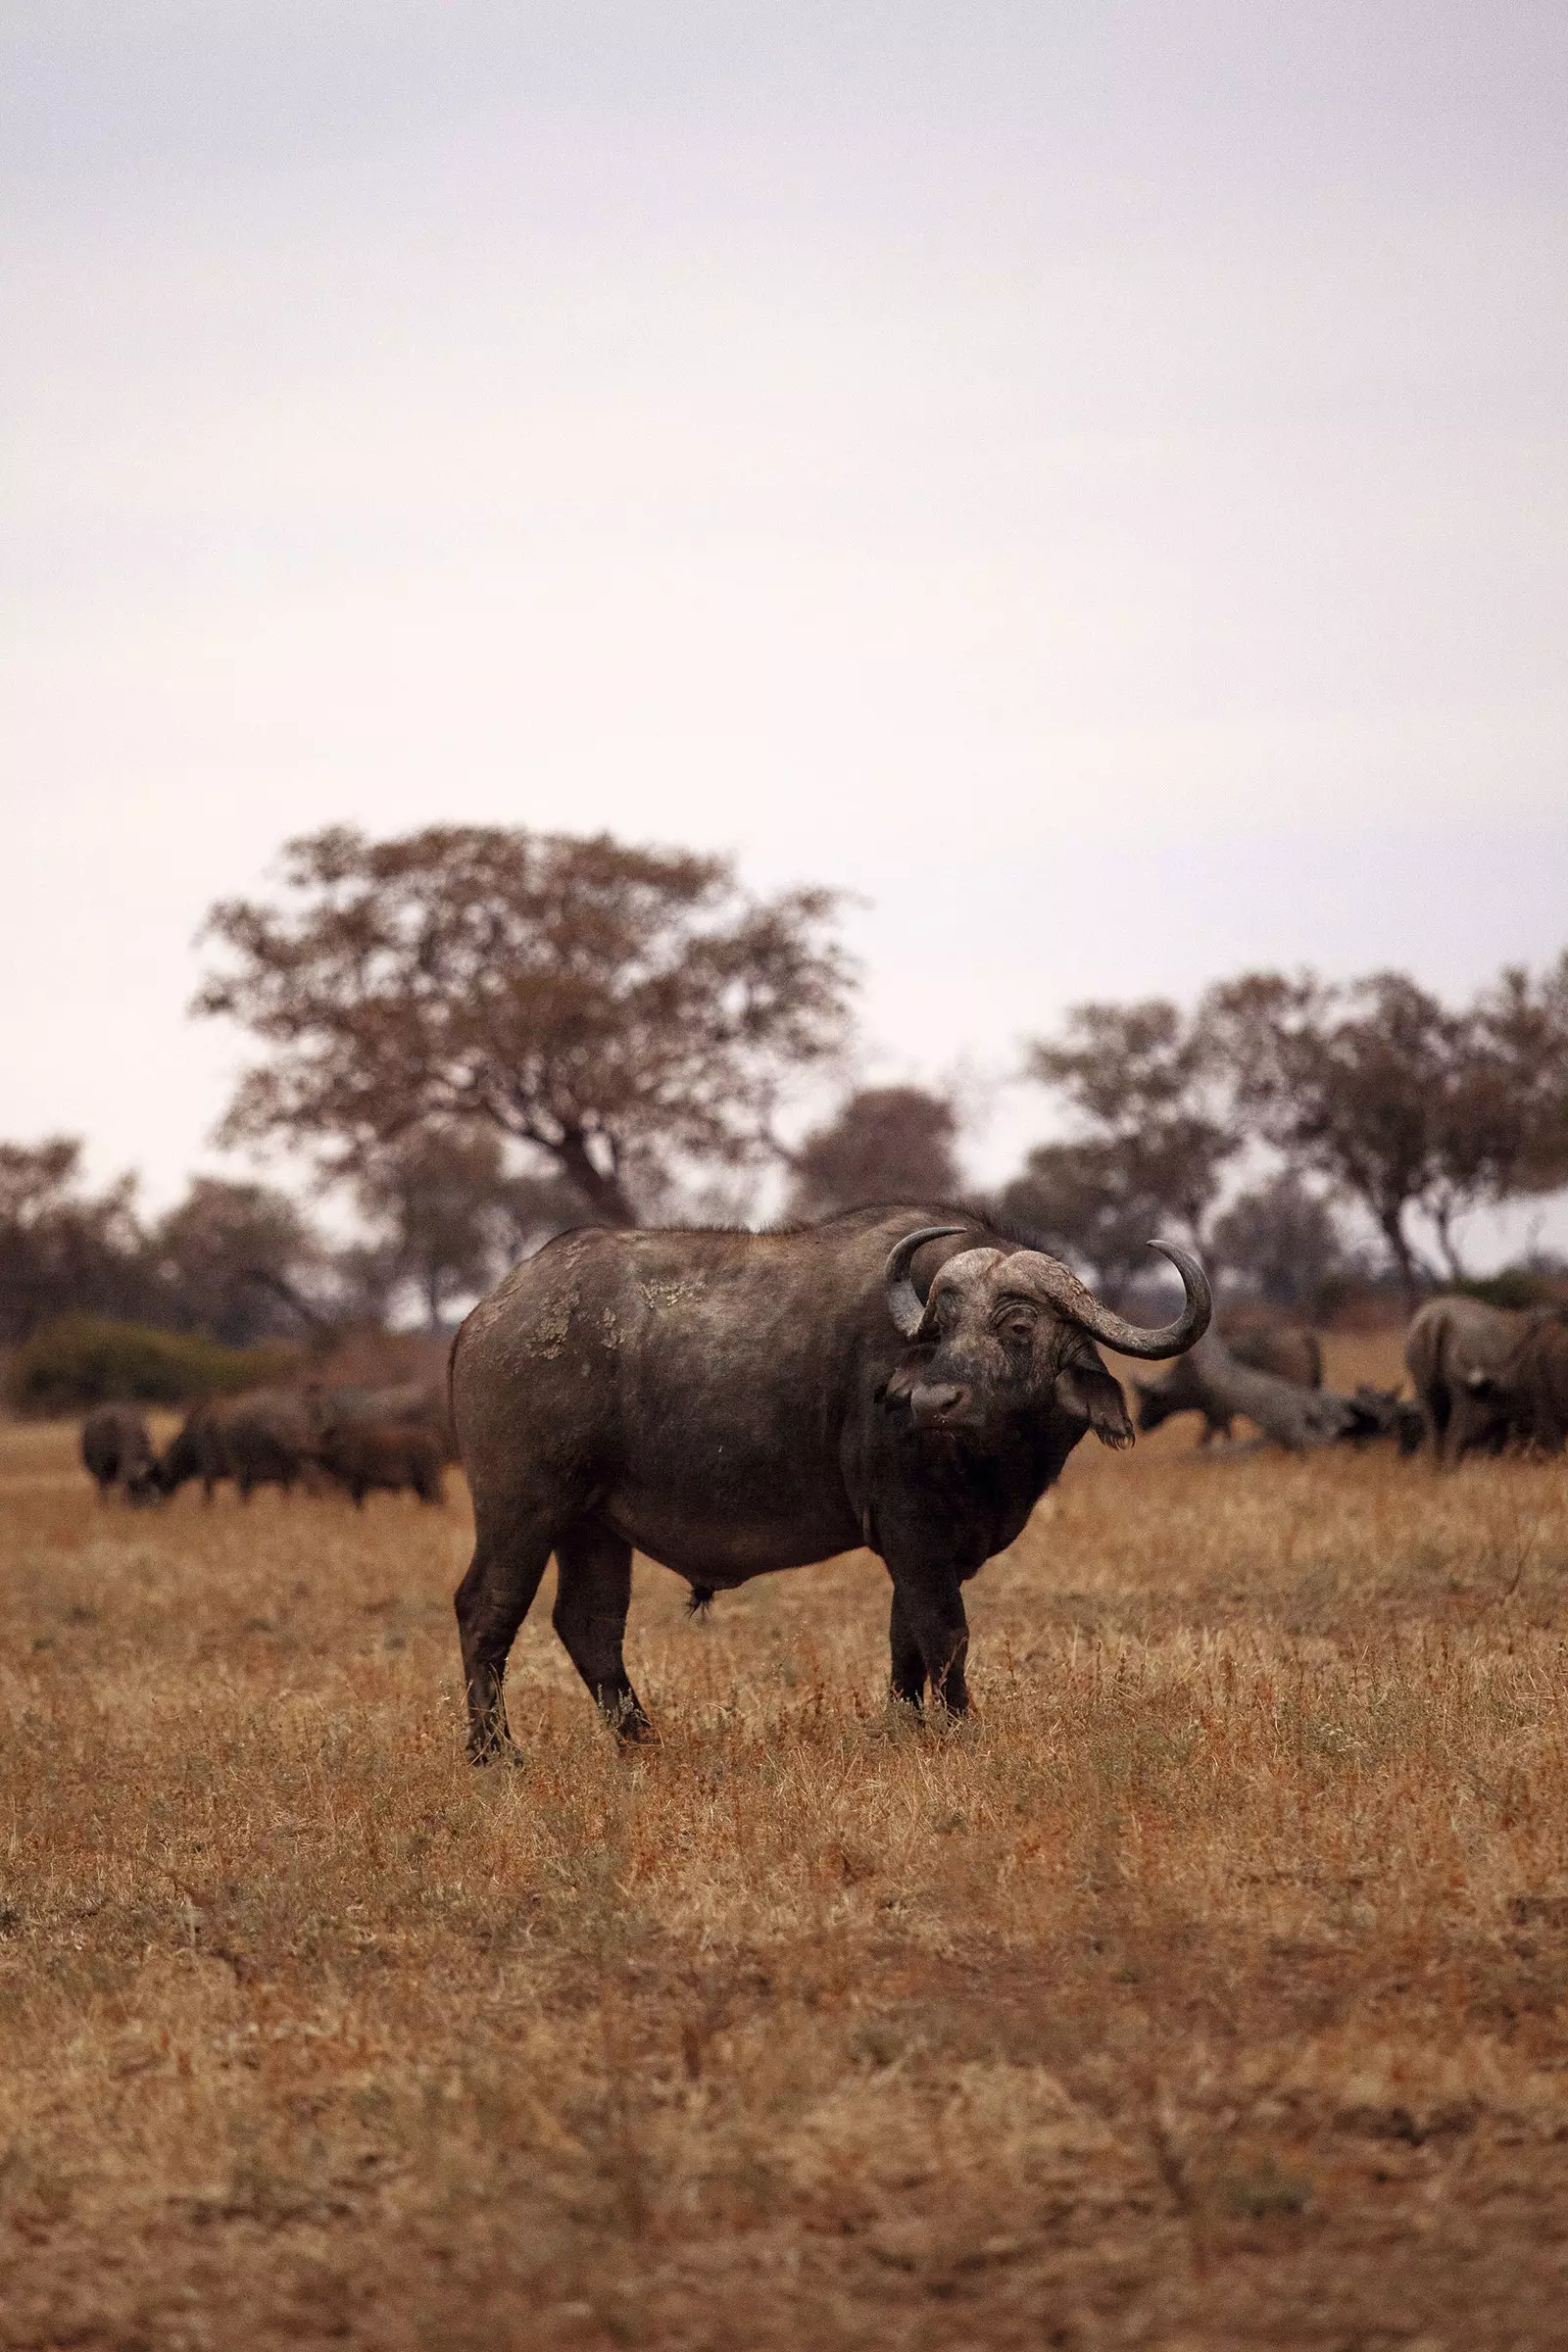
(489, 1748)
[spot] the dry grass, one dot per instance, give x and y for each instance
(1209, 1989)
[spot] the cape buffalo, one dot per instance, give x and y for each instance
(1289, 1355)
(1449, 1340)
(1215, 1381)
(391, 1455)
(117, 1452)
(262, 1439)
(1530, 1385)
(734, 1403)
(412, 1403)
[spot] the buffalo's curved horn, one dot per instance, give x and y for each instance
(905, 1303)
(1063, 1291)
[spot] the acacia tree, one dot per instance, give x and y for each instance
(612, 1007)
(885, 1143)
(231, 1259)
(1406, 1106)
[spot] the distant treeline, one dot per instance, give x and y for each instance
(483, 1035)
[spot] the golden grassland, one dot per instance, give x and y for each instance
(1208, 1988)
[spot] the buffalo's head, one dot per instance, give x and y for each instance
(1010, 1333)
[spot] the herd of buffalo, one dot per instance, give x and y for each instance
(735, 1403)
(357, 1437)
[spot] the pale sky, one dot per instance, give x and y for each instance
(1089, 478)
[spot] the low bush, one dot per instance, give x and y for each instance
(1514, 1287)
(83, 1361)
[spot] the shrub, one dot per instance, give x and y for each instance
(1514, 1286)
(84, 1360)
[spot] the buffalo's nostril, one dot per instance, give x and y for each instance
(937, 1402)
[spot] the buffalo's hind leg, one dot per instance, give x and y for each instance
(593, 1592)
(491, 1603)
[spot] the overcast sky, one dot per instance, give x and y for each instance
(1089, 478)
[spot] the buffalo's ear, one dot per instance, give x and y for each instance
(1088, 1392)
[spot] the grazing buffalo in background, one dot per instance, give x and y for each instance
(392, 1455)
(1530, 1385)
(412, 1403)
(1287, 1349)
(735, 1402)
(263, 1439)
(1213, 1380)
(1289, 1354)
(1450, 1341)
(117, 1452)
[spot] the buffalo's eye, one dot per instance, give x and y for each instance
(1017, 1323)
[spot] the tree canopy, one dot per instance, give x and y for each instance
(885, 1143)
(1404, 1105)
(613, 1008)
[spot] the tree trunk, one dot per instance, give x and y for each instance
(1392, 1225)
(603, 1193)
(1442, 1219)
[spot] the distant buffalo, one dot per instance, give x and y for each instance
(262, 1439)
(1452, 1348)
(412, 1403)
(394, 1456)
(117, 1452)
(1285, 1351)
(1530, 1385)
(1213, 1380)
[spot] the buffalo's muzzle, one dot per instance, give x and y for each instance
(935, 1404)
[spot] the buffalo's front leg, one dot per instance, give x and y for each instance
(909, 1658)
(928, 1603)
(593, 1592)
(491, 1603)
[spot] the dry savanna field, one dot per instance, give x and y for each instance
(1208, 1988)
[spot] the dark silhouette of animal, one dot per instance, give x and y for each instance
(264, 1438)
(1212, 1380)
(117, 1452)
(1289, 1355)
(394, 1456)
(420, 1405)
(1530, 1385)
(731, 1403)
(1449, 1341)
(1385, 1413)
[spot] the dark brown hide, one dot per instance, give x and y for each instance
(390, 1455)
(263, 1439)
(731, 1403)
(419, 1404)
(117, 1452)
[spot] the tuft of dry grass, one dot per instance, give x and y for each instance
(1206, 1990)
